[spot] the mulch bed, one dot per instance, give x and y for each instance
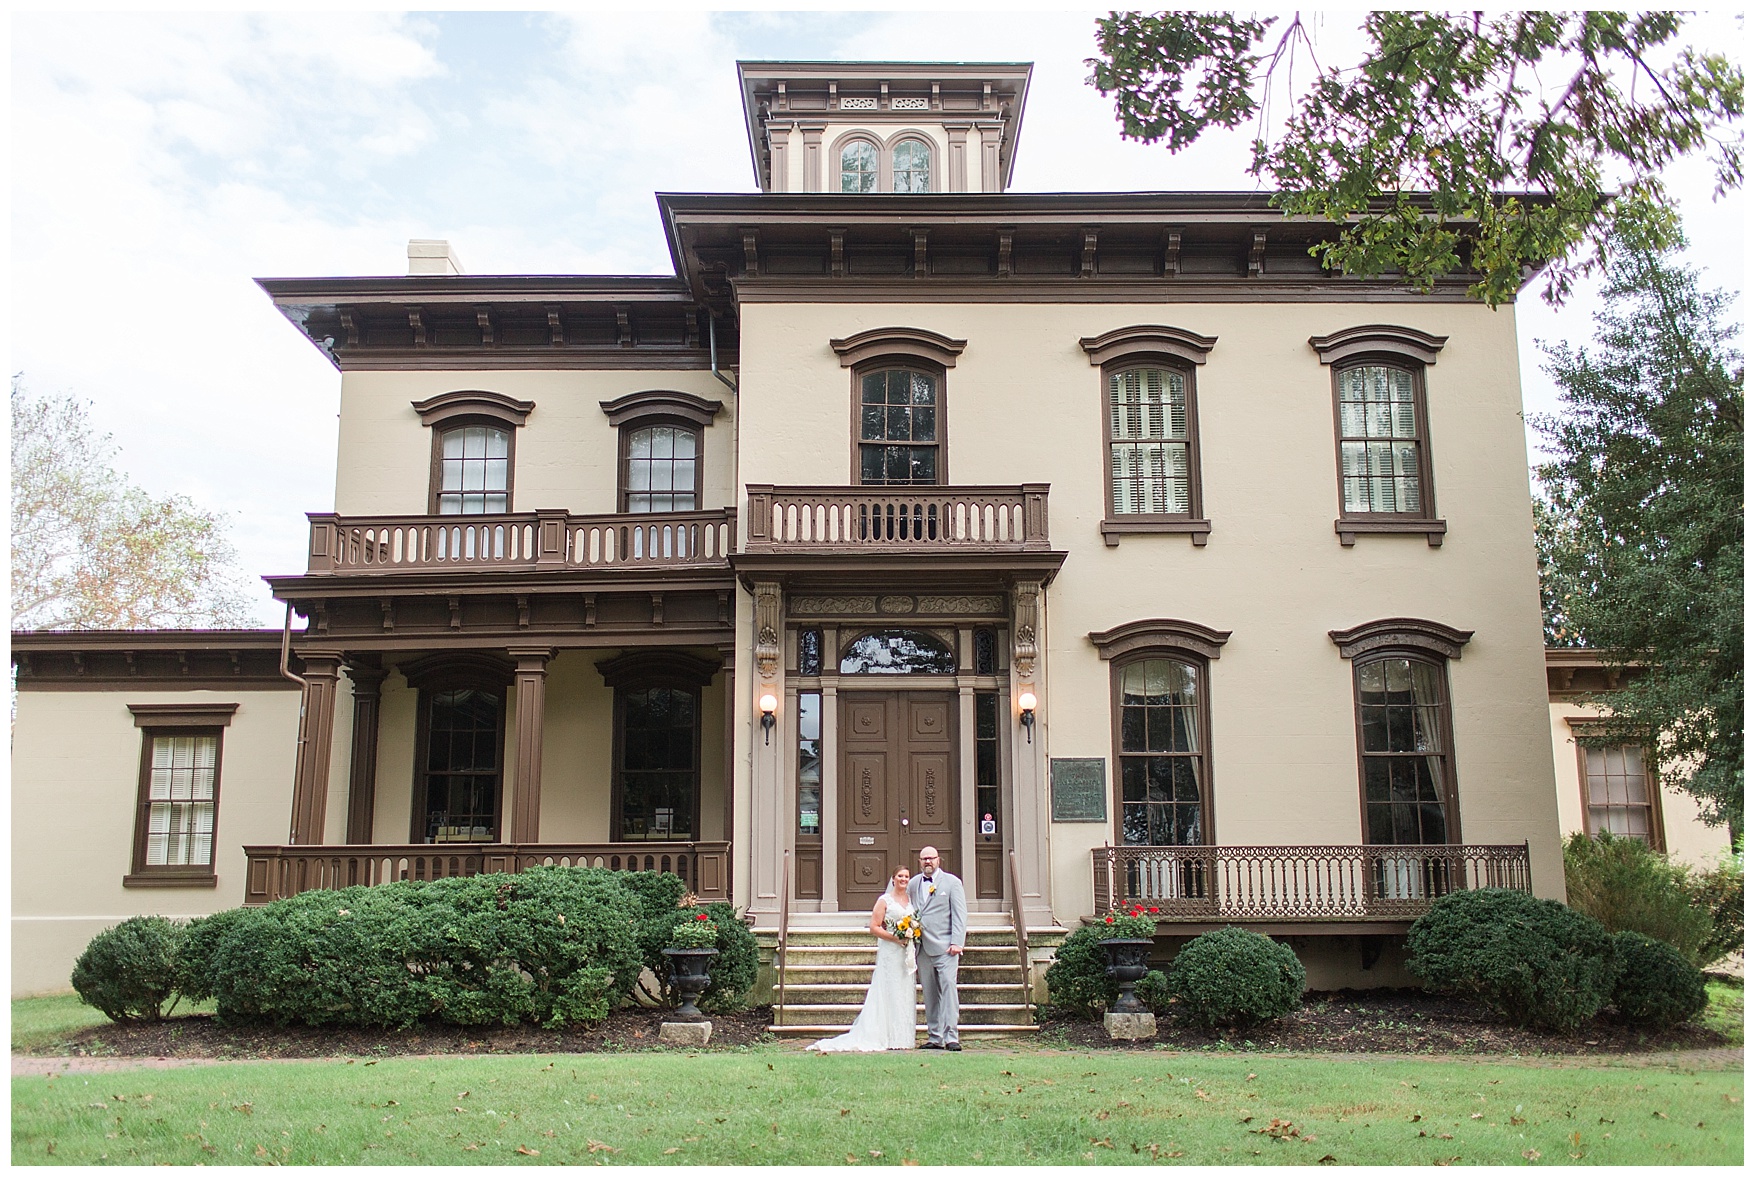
(1396, 1021)
(204, 1036)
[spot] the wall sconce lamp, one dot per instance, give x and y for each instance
(768, 703)
(1027, 715)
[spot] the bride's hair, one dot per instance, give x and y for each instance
(900, 869)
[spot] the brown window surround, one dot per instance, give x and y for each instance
(658, 409)
(1398, 783)
(166, 722)
(456, 410)
(1151, 348)
(1186, 751)
(1394, 350)
(890, 352)
(437, 674)
(1613, 766)
(631, 675)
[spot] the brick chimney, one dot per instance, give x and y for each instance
(433, 257)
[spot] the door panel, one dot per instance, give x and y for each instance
(898, 787)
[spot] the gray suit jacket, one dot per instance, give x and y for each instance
(942, 910)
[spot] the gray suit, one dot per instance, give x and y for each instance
(944, 918)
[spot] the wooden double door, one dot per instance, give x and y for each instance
(898, 786)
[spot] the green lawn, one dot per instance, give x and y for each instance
(43, 1021)
(1724, 1010)
(777, 1105)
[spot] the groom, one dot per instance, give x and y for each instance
(943, 913)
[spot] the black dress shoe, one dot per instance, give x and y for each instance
(934, 1046)
(953, 1046)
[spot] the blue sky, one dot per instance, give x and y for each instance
(161, 162)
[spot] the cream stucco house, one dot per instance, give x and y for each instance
(1107, 542)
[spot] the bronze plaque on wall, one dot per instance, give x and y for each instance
(1076, 788)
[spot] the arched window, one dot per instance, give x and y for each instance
(475, 464)
(898, 651)
(859, 166)
(662, 468)
(911, 167)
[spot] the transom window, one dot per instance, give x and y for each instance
(662, 469)
(181, 800)
(911, 167)
(1404, 750)
(859, 167)
(474, 471)
(1618, 793)
(899, 428)
(659, 769)
(461, 797)
(1380, 440)
(1159, 747)
(898, 651)
(1149, 467)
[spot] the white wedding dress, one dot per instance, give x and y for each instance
(886, 1020)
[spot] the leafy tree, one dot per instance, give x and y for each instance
(1641, 521)
(1445, 114)
(92, 551)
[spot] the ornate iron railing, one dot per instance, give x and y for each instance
(1200, 884)
(275, 872)
(905, 519)
(536, 539)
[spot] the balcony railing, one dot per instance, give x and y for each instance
(1204, 884)
(535, 539)
(898, 519)
(275, 872)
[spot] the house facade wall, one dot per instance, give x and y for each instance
(75, 776)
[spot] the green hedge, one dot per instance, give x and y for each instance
(1626, 886)
(1655, 986)
(1533, 961)
(552, 945)
(1233, 977)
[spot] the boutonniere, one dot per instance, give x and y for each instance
(931, 889)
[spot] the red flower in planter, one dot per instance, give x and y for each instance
(1152, 910)
(1108, 919)
(703, 917)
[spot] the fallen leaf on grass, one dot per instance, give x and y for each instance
(246, 1108)
(1089, 1156)
(527, 1152)
(1279, 1130)
(1448, 1160)
(1327, 1158)
(471, 1147)
(846, 1111)
(909, 1161)
(851, 1159)
(1249, 1076)
(1475, 1115)
(1517, 1121)
(1104, 1143)
(1660, 1115)
(1102, 1115)
(668, 1151)
(599, 1146)
(1530, 1154)
(876, 1152)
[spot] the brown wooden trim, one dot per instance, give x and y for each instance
(1174, 344)
(142, 875)
(1380, 339)
(658, 668)
(1161, 635)
(1452, 799)
(661, 403)
(900, 362)
(450, 670)
(1192, 522)
(1174, 653)
(1076, 291)
(362, 778)
(623, 438)
(1351, 524)
(1408, 635)
(889, 343)
(532, 685)
(170, 659)
(180, 715)
(474, 404)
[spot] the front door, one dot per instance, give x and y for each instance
(898, 787)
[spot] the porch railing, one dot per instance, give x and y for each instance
(536, 539)
(905, 519)
(1202, 884)
(275, 872)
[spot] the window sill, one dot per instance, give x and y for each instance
(1196, 530)
(156, 880)
(1351, 529)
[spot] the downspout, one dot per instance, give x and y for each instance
(713, 351)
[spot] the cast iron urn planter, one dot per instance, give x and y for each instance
(1127, 964)
(688, 972)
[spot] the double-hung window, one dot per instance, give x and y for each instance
(474, 440)
(1618, 793)
(177, 813)
(901, 432)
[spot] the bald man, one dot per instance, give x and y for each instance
(943, 913)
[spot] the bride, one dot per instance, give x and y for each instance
(886, 1020)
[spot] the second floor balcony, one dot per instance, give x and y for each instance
(902, 519)
(541, 540)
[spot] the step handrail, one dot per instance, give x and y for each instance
(780, 940)
(1023, 936)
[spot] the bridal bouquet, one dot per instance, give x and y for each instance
(906, 929)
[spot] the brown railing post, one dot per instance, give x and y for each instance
(780, 939)
(325, 538)
(1035, 516)
(551, 537)
(761, 510)
(1017, 889)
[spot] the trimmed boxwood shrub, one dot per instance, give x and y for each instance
(201, 938)
(1079, 986)
(1533, 961)
(1655, 987)
(130, 971)
(733, 971)
(1233, 977)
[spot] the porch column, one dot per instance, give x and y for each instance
(362, 779)
(316, 737)
(728, 770)
(525, 806)
(1030, 755)
(767, 806)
